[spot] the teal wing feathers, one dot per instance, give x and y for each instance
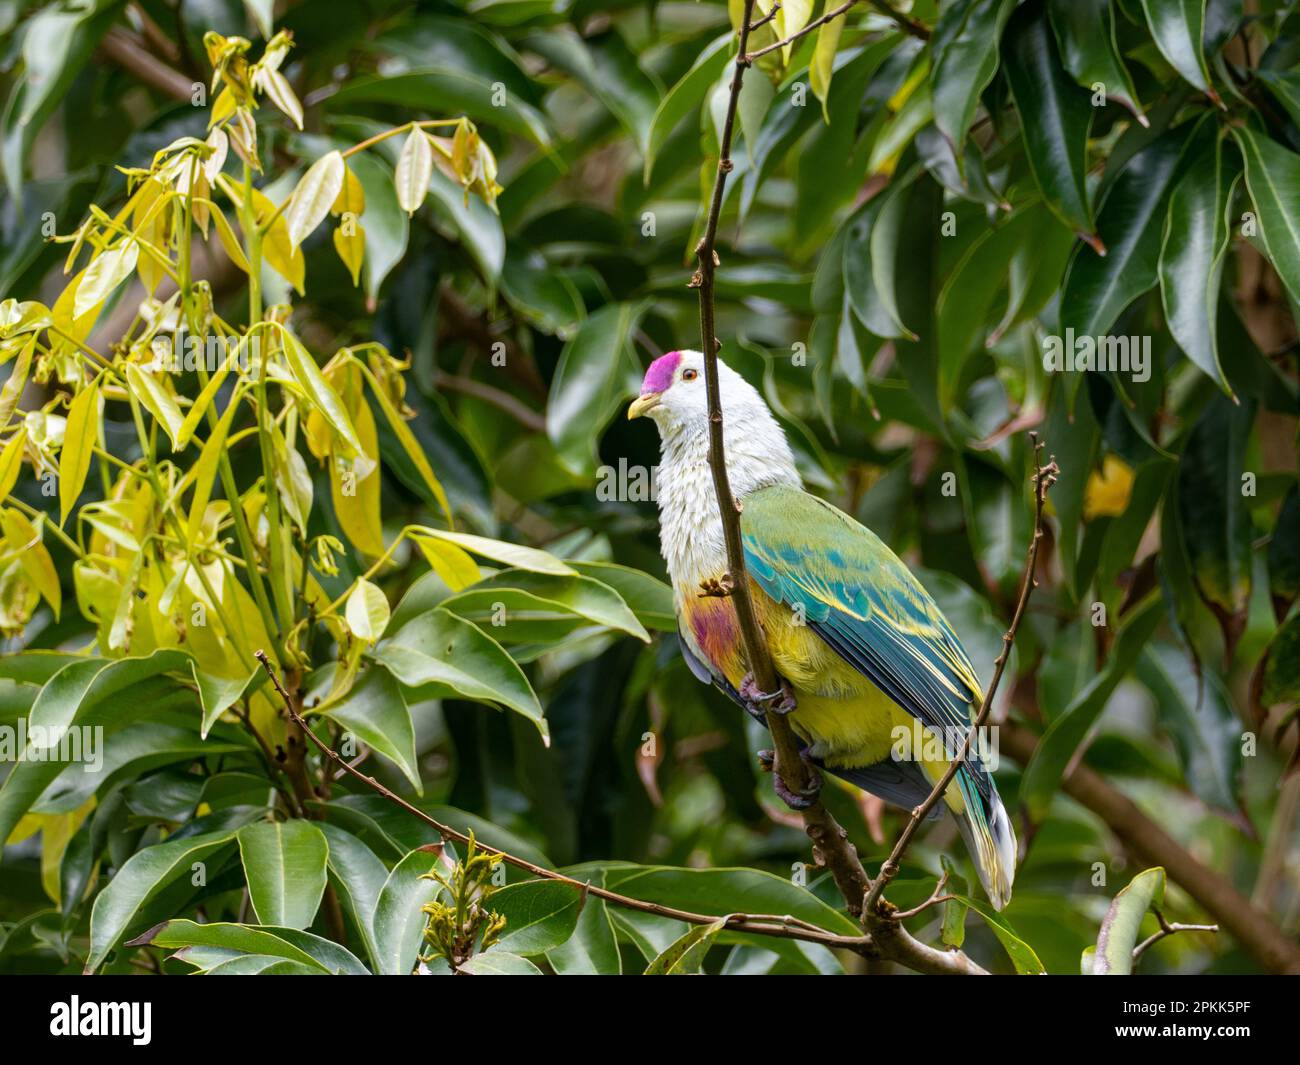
(860, 598)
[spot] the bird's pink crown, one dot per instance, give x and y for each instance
(660, 374)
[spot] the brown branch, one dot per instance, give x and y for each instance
(1168, 928)
(1043, 479)
(831, 841)
(503, 401)
(131, 54)
(1152, 845)
(908, 25)
(782, 927)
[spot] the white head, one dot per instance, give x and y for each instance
(673, 394)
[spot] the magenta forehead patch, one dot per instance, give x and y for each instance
(660, 374)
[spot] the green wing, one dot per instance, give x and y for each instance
(859, 597)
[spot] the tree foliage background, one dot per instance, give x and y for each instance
(918, 206)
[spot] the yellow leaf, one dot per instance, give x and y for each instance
(1108, 489)
(823, 61)
(409, 444)
(323, 397)
(366, 611)
(281, 255)
(150, 391)
(79, 439)
(102, 276)
(449, 562)
(414, 171)
(11, 462)
(17, 381)
(35, 560)
(356, 498)
(229, 241)
(314, 196)
(205, 470)
(57, 831)
(149, 222)
(351, 246)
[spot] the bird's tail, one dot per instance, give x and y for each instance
(989, 837)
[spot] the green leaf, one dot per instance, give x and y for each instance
(80, 693)
(198, 944)
(1178, 27)
(967, 62)
(386, 225)
(685, 97)
(143, 876)
(592, 949)
(822, 68)
(499, 963)
(718, 892)
(1131, 224)
(686, 956)
(358, 878)
(1273, 180)
(1196, 711)
(1283, 555)
(1196, 239)
(1085, 33)
(398, 921)
(1120, 926)
(1215, 515)
(540, 915)
(1282, 666)
(1070, 728)
(578, 595)
(597, 371)
(651, 599)
(375, 710)
(439, 648)
(284, 865)
(1055, 117)
(1022, 955)
(457, 92)
(157, 400)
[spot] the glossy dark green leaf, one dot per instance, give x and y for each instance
(1043, 774)
(967, 62)
(596, 373)
(375, 711)
(1178, 28)
(1284, 555)
(1131, 224)
(685, 97)
(540, 915)
(398, 921)
(1273, 179)
(1196, 241)
(1055, 116)
(1198, 715)
(1215, 515)
(1085, 32)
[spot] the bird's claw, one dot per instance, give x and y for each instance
(766, 760)
(758, 702)
(798, 800)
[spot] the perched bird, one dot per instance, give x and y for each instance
(864, 653)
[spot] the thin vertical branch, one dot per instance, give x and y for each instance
(831, 841)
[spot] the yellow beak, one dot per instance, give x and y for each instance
(643, 403)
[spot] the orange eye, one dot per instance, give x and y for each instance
(690, 375)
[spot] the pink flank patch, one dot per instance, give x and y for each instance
(713, 624)
(660, 374)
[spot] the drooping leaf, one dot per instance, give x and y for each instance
(1119, 928)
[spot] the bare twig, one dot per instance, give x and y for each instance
(1168, 928)
(905, 23)
(1043, 479)
(783, 927)
(503, 401)
(776, 10)
(936, 896)
(131, 54)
